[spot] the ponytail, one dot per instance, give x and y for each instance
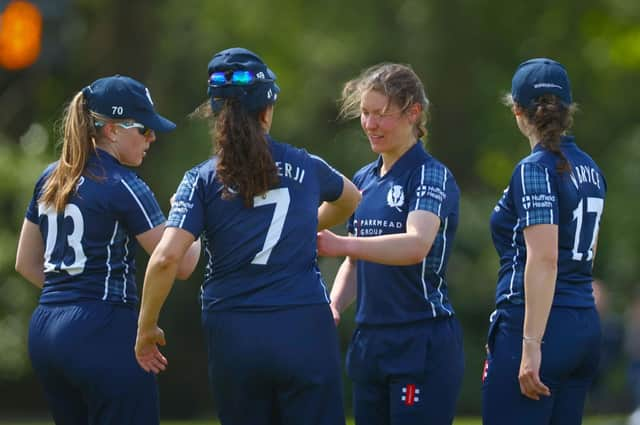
(78, 135)
(551, 118)
(245, 164)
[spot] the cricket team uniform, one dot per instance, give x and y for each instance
(272, 343)
(539, 194)
(406, 357)
(82, 334)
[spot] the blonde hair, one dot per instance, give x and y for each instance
(396, 81)
(78, 141)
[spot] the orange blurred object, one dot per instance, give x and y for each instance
(20, 35)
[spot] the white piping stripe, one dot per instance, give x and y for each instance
(515, 259)
(193, 187)
(524, 192)
(421, 186)
(444, 249)
(193, 190)
(424, 287)
(126, 270)
(546, 173)
(108, 276)
(444, 189)
(324, 287)
(139, 203)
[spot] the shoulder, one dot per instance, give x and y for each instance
(434, 172)
(285, 151)
(129, 181)
(366, 170)
(540, 163)
(46, 173)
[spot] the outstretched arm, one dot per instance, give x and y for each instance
(398, 249)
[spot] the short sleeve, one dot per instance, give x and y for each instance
(33, 213)
(32, 210)
(358, 180)
(434, 189)
(330, 181)
(534, 194)
(188, 209)
(137, 205)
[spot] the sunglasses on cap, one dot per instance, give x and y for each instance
(236, 78)
(142, 129)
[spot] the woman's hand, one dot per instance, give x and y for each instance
(148, 355)
(530, 384)
(330, 244)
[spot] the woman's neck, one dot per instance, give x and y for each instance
(390, 158)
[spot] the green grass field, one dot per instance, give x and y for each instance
(603, 420)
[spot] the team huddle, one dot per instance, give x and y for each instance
(260, 211)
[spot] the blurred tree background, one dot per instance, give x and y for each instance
(464, 50)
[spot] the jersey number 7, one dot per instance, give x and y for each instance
(281, 198)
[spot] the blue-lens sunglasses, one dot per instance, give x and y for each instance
(236, 78)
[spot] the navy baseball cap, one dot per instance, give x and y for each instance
(539, 76)
(240, 73)
(119, 97)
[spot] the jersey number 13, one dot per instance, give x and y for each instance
(55, 249)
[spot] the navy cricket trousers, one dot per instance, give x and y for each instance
(278, 367)
(570, 355)
(83, 354)
(406, 374)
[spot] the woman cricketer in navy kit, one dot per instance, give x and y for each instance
(406, 358)
(544, 337)
(273, 349)
(88, 213)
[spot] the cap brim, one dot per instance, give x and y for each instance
(159, 124)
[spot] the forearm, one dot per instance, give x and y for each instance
(158, 282)
(539, 287)
(345, 287)
(400, 249)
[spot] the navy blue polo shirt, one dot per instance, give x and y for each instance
(539, 194)
(401, 294)
(262, 257)
(90, 247)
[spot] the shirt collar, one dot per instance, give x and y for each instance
(411, 158)
(102, 156)
(564, 141)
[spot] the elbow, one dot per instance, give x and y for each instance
(185, 272)
(19, 267)
(417, 253)
(545, 261)
(355, 201)
(23, 268)
(164, 261)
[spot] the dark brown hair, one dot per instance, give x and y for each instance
(245, 165)
(551, 118)
(396, 81)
